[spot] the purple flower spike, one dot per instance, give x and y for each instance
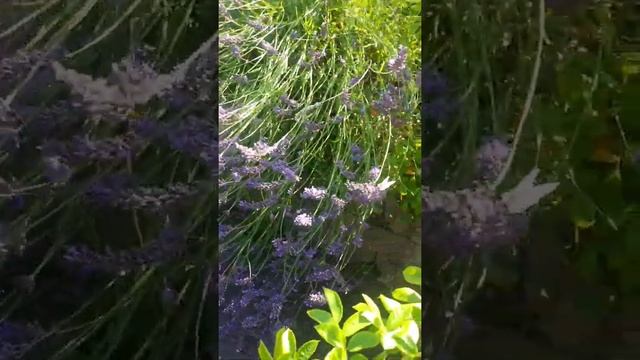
(491, 157)
(315, 300)
(399, 63)
(303, 220)
(314, 193)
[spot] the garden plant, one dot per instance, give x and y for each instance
(514, 91)
(319, 124)
(398, 335)
(138, 223)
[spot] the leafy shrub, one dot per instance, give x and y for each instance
(366, 329)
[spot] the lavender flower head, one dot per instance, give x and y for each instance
(303, 220)
(321, 274)
(315, 300)
(478, 217)
(457, 222)
(285, 170)
(168, 245)
(314, 193)
(268, 48)
(289, 102)
(389, 101)
(399, 63)
(356, 154)
(374, 173)
(490, 158)
(281, 246)
(368, 193)
(257, 152)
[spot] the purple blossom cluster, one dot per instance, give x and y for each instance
(81, 150)
(491, 158)
(249, 305)
(169, 244)
(151, 199)
(474, 217)
(253, 306)
(470, 218)
(389, 101)
(261, 171)
(398, 64)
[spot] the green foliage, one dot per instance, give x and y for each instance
(361, 37)
(364, 330)
(582, 129)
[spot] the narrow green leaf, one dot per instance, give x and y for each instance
(357, 357)
(263, 352)
(335, 304)
(363, 340)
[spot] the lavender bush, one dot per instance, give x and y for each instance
(107, 201)
(315, 115)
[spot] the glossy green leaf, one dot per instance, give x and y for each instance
(410, 330)
(335, 304)
(331, 333)
(372, 313)
(389, 304)
(398, 316)
(357, 357)
(412, 275)
(387, 339)
(307, 349)
(360, 307)
(382, 356)
(406, 294)
(285, 343)
(320, 316)
(354, 323)
(336, 354)
(362, 340)
(406, 347)
(263, 352)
